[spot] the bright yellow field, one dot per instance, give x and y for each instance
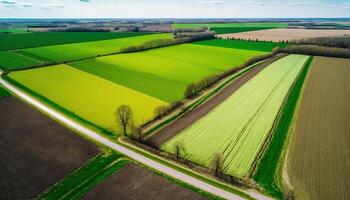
(90, 97)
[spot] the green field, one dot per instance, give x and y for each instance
(39, 39)
(86, 177)
(222, 28)
(3, 92)
(164, 73)
(241, 44)
(13, 30)
(91, 98)
(20, 59)
(11, 60)
(66, 52)
(239, 126)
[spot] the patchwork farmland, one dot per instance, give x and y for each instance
(86, 105)
(91, 98)
(318, 164)
(254, 108)
(30, 57)
(87, 83)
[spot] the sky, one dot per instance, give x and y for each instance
(174, 8)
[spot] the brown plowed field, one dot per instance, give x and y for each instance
(35, 151)
(136, 183)
(285, 34)
(177, 126)
(319, 157)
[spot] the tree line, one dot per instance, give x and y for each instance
(339, 41)
(315, 51)
(194, 89)
(179, 39)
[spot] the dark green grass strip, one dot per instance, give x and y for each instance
(85, 178)
(39, 39)
(267, 172)
(223, 30)
(59, 108)
(3, 92)
(241, 44)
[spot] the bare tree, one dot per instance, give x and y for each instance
(290, 195)
(124, 116)
(178, 149)
(136, 132)
(217, 163)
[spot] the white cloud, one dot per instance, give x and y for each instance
(8, 2)
(214, 2)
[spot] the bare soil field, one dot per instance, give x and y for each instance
(35, 152)
(165, 134)
(319, 157)
(134, 182)
(284, 34)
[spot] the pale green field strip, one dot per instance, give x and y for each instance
(87, 96)
(74, 51)
(239, 126)
(159, 71)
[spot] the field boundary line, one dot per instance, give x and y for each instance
(129, 153)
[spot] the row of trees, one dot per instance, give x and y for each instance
(194, 89)
(124, 117)
(179, 39)
(315, 51)
(254, 40)
(338, 42)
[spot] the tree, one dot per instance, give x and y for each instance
(190, 91)
(160, 111)
(124, 116)
(217, 163)
(178, 149)
(136, 132)
(290, 195)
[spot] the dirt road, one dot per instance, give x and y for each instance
(177, 126)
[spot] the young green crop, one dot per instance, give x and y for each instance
(38, 39)
(10, 60)
(241, 44)
(239, 126)
(164, 73)
(74, 51)
(92, 98)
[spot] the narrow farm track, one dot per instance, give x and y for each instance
(168, 132)
(131, 154)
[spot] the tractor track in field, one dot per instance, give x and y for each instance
(170, 131)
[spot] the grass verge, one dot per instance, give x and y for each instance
(267, 171)
(3, 92)
(86, 177)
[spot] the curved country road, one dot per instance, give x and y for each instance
(129, 153)
(170, 131)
